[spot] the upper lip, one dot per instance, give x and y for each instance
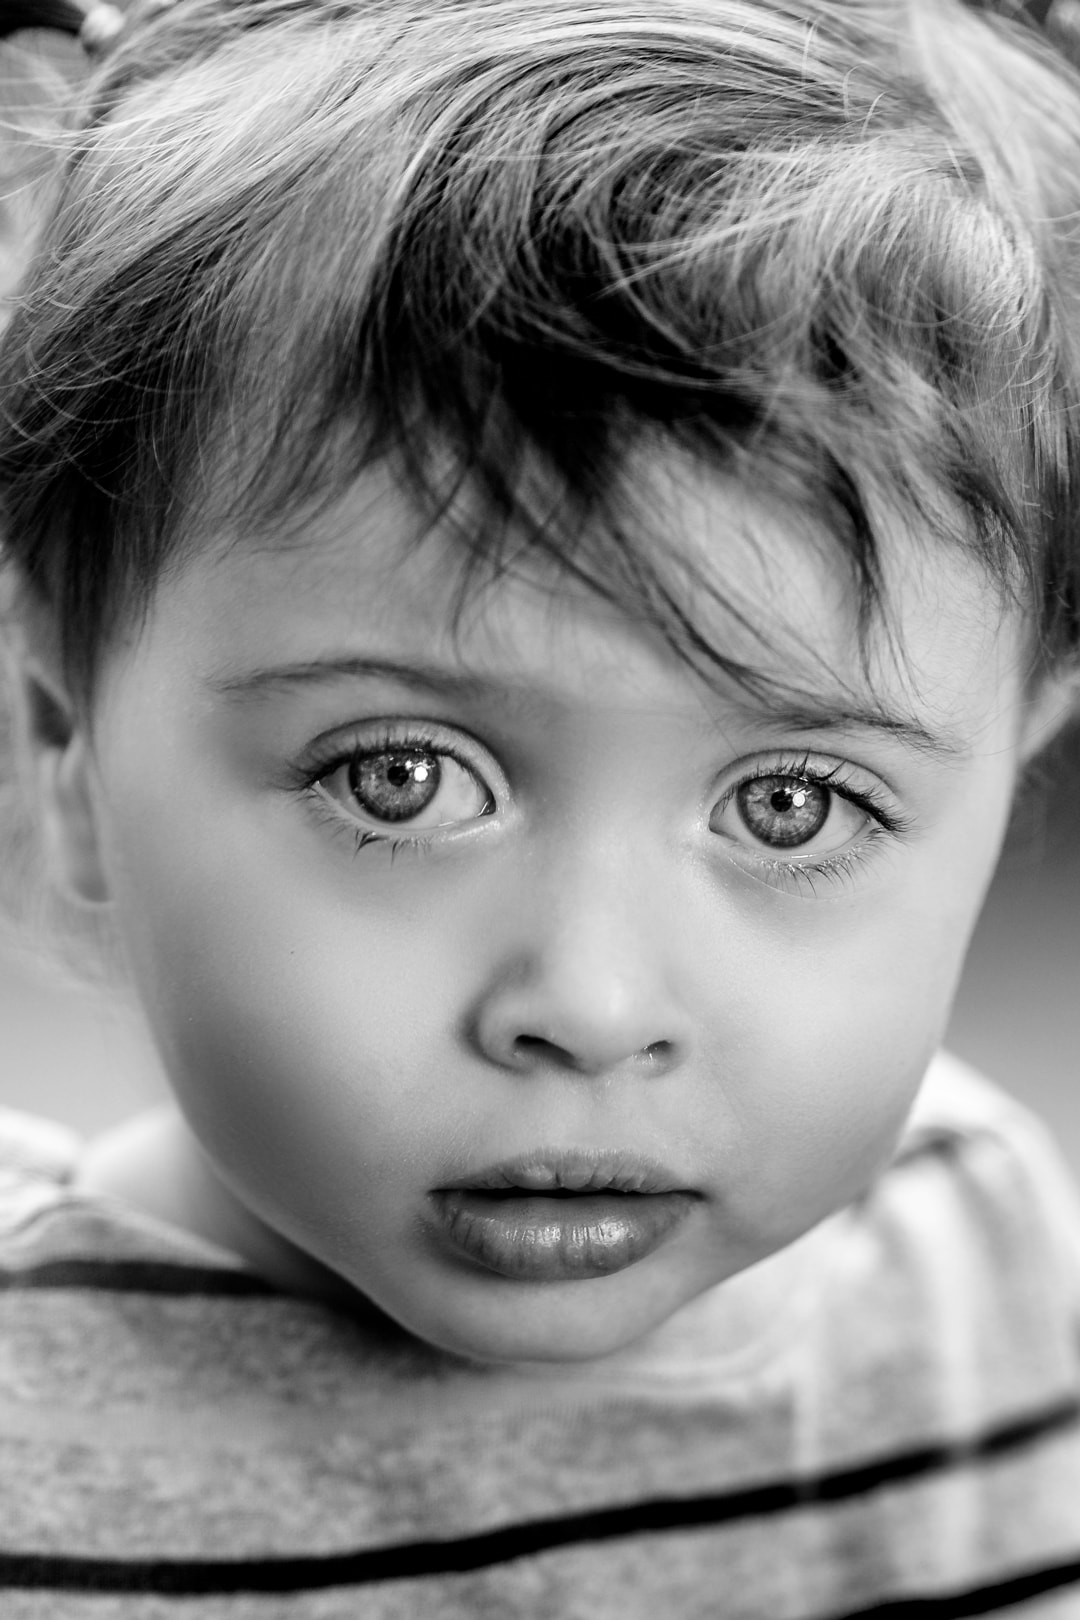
(572, 1170)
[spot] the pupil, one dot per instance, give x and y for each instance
(400, 775)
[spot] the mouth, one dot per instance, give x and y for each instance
(561, 1217)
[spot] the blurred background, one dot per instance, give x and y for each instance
(73, 1056)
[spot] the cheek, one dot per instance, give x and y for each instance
(833, 1009)
(823, 1089)
(301, 1035)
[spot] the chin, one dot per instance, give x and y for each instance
(536, 1323)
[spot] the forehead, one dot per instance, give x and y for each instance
(766, 588)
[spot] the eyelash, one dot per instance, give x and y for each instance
(364, 837)
(799, 876)
(841, 866)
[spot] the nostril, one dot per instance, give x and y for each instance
(527, 1047)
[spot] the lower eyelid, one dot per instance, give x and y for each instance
(839, 867)
(362, 836)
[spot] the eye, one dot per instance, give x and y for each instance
(788, 811)
(411, 785)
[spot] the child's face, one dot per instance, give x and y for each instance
(594, 946)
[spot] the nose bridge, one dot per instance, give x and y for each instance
(602, 907)
(588, 977)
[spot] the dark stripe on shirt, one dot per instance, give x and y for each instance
(135, 1277)
(413, 1560)
(979, 1600)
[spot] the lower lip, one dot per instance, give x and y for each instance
(533, 1238)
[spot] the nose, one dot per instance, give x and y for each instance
(584, 985)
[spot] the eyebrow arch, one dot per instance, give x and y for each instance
(943, 746)
(803, 716)
(322, 671)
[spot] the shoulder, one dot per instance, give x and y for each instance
(37, 1159)
(957, 1101)
(56, 1234)
(34, 1149)
(966, 1251)
(998, 1160)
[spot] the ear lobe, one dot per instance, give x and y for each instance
(62, 763)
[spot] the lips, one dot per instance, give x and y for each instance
(550, 1171)
(557, 1217)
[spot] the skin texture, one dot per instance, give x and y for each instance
(346, 1030)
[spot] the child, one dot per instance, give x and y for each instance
(541, 542)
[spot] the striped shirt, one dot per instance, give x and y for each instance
(179, 1440)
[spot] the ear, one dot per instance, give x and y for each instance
(62, 765)
(1048, 710)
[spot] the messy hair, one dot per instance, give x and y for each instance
(829, 247)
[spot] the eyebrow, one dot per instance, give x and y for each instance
(803, 715)
(944, 746)
(323, 671)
